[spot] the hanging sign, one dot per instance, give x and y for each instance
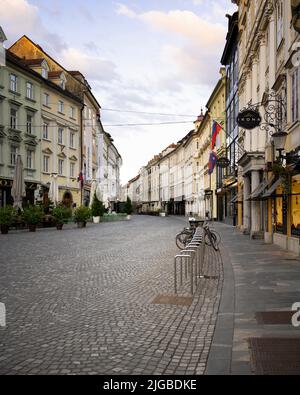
(249, 119)
(223, 163)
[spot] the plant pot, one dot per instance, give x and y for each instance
(162, 214)
(81, 225)
(59, 226)
(32, 228)
(4, 229)
(128, 217)
(96, 220)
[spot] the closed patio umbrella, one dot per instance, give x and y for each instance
(93, 190)
(18, 190)
(53, 194)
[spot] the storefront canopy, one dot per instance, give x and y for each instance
(258, 193)
(273, 188)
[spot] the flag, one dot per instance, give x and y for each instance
(212, 162)
(215, 131)
(80, 179)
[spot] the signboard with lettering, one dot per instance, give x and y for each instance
(223, 163)
(249, 119)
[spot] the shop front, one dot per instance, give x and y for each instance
(5, 192)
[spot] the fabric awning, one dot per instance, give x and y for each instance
(237, 199)
(258, 192)
(273, 188)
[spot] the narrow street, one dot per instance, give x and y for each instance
(82, 302)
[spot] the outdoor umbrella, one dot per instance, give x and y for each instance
(18, 190)
(93, 190)
(53, 190)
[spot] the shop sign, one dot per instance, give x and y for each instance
(223, 163)
(249, 119)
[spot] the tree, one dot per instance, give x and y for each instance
(98, 208)
(128, 206)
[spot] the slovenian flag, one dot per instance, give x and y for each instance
(215, 131)
(212, 162)
(80, 179)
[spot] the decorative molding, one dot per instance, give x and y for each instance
(47, 151)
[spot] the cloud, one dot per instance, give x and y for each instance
(95, 68)
(20, 17)
(196, 56)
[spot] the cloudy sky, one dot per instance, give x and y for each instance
(148, 56)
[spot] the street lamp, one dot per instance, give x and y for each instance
(279, 140)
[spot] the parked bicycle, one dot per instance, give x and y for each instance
(185, 237)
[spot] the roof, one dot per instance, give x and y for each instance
(55, 61)
(54, 74)
(34, 62)
(12, 58)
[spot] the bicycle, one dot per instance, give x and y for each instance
(185, 237)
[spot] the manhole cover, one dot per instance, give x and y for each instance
(275, 356)
(173, 300)
(274, 317)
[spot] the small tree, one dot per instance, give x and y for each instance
(98, 208)
(128, 206)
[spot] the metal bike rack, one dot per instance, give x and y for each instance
(191, 260)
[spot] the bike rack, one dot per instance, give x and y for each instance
(191, 260)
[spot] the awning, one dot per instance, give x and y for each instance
(237, 199)
(273, 188)
(257, 194)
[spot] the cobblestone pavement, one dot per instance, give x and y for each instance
(80, 302)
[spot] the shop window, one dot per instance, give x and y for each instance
(295, 206)
(281, 211)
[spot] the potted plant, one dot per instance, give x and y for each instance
(128, 208)
(61, 214)
(81, 216)
(98, 209)
(32, 216)
(7, 216)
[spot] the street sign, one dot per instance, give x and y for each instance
(249, 119)
(223, 163)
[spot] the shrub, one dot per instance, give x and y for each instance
(82, 214)
(128, 206)
(33, 215)
(61, 214)
(98, 208)
(7, 215)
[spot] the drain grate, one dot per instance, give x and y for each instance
(275, 356)
(274, 317)
(173, 300)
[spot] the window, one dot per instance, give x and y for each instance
(46, 161)
(29, 90)
(13, 118)
(29, 124)
(13, 155)
(46, 131)
(60, 106)
(72, 112)
(279, 15)
(72, 170)
(44, 72)
(295, 98)
(29, 159)
(46, 99)
(13, 82)
(72, 135)
(60, 167)
(60, 135)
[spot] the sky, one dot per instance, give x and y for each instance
(146, 56)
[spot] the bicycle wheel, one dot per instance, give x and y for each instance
(211, 239)
(183, 239)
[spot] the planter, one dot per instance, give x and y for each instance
(162, 214)
(59, 226)
(32, 228)
(81, 225)
(96, 220)
(4, 229)
(128, 217)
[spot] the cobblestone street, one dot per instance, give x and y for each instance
(80, 302)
